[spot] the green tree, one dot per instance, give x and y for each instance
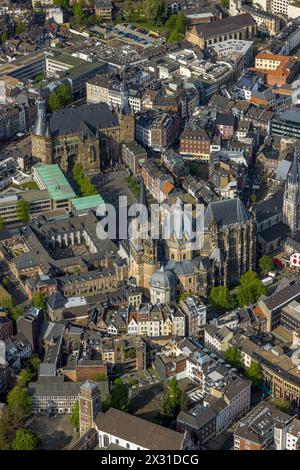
(78, 173)
(64, 4)
(233, 357)
(184, 402)
(175, 27)
(154, 11)
(23, 212)
(19, 401)
(74, 418)
(100, 377)
(86, 187)
(4, 37)
(175, 37)
(119, 397)
(20, 28)
(38, 78)
(38, 300)
(8, 426)
(282, 404)
(250, 289)
(220, 297)
(173, 400)
(37, 6)
(24, 377)
(16, 312)
(5, 282)
(60, 97)
(26, 440)
(33, 364)
(254, 373)
(225, 3)
(78, 11)
(2, 223)
(265, 263)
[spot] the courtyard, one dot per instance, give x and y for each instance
(55, 432)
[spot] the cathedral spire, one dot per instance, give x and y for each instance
(294, 176)
(41, 126)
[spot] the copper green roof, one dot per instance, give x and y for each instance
(51, 177)
(87, 202)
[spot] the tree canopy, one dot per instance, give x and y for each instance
(175, 400)
(154, 11)
(250, 289)
(19, 401)
(78, 11)
(24, 377)
(4, 37)
(38, 300)
(175, 27)
(282, 404)
(2, 223)
(60, 97)
(254, 373)
(74, 418)
(221, 298)
(119, 397)
(20, 28)
(16, 312)
(64, 4)
(23, 212)
(26, 440)
(233, 357)
(86, 187)
(265, 263)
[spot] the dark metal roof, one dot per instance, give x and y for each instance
(226, 25)
(227, 212)
(83, 119)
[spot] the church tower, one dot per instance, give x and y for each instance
(291, 199)
(41, 145)
(89, 405)
(143, 252)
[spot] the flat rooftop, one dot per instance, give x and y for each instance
(87, 202)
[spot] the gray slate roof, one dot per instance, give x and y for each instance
(228, 212)
(138, 431)
(85, 119)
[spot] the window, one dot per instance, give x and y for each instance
(105, 441)
(128, 446)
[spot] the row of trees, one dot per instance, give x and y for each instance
(86, 187)
(154, 13)
(248, 292)
(13, 435)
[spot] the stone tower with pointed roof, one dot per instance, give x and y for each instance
(143, 251)
(41, 142)
(291, 199)
(89, 405)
